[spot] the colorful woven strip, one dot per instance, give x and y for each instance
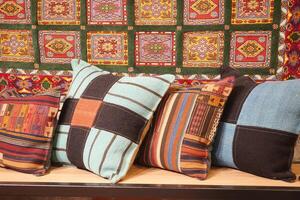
(29, 84)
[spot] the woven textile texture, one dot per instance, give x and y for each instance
(292, 41)
(143, 36)
(105, 118)
(9, 92)
(27, 127)
(34, 82)
(184, 128)
(30, 82)
(260, 123)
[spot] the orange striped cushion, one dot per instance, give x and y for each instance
(26, 130)
(184, 128)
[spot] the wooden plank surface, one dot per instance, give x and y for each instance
(153, 176)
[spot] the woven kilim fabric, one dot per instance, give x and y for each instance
(9, 92)
(105, 118)
(11, 78)
(292, 41)
(26, 131)
(259, 127)
(184, 129)
(30, 84)
(143, 36)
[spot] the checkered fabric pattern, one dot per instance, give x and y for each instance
(141, 36)
(105, 118)
(259, 127)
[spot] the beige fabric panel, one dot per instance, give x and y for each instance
(142, 175)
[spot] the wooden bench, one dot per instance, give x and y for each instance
(148, 183)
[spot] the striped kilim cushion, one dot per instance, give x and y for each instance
(26, 132)
(105, 118)
(184, 128)
(259, 127)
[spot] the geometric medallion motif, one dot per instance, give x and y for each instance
(106, 12)
(250, 49)
(86, 17)
(155, 49)
(107, 47)
(15, 12)
(203, 49)
(16, 45)
(59, 12)
(198, 12)
(252, 11)
(59, 46)
(155, 12)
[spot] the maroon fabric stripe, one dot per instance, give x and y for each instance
(68, 111)
(27, 154)
(20, 149)
(75, 145)
(50, 98)
(113, 118)
(18, 158)
(52, 101)
(98, 88)
(20, 154)
(33, 101)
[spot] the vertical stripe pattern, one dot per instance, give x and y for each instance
(184, 129)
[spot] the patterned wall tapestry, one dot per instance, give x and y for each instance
(30, 83)
(292, 40)
(145, 36)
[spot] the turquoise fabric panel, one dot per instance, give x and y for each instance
(129, 105)
(60, 144)
(137, 94)
(95, 147)
(107, 154)
(60, 157)
(112, 165)
(223, 146)
(61, 140)
(150, 83)
(83, 74)
(137, 99)
(126, 162)
(134, 98)
(273, 105)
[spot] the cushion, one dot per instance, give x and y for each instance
(26, 131)
(184, 128)
(105, 118)
(259, 127)
(195, 82)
